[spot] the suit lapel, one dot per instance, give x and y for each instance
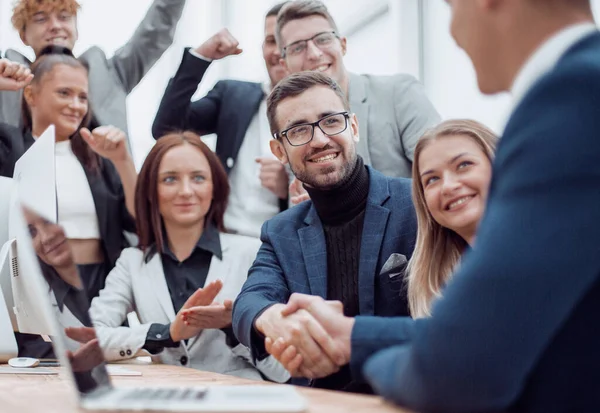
(155, 273)
(247, 108)
(375, 223)
(360, 107)
(314, 251)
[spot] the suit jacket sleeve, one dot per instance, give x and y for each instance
(414, 112)
(266, 285)
(11, 148)
(535, 257)
(152, 37)
(176, 112)
(109, 310)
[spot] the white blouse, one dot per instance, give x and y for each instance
(76, 208)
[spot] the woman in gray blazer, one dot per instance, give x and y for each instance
(182, 279)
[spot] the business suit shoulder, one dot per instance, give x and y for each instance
(94, 56)
(290, 219)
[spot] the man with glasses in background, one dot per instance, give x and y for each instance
(394, 111)
(333, 246)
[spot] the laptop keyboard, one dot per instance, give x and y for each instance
(165, 393)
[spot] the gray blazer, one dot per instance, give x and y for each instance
(111, 80)
(393, 112)
(134, 285)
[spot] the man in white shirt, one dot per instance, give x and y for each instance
(517, 327)
(236, 112)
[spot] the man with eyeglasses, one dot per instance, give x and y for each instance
(394, 111)
(333, 246)
(237, 112)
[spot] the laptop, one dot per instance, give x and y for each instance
(85, 364)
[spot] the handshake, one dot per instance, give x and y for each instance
(309, 336)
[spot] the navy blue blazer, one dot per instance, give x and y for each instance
(226, 110)
(293, 258)
(518, 327)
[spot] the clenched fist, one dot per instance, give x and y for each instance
(13, 75)
(220, 45)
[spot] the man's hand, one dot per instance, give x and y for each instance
(297, 192)
(13, 75)
(220, 45)
(215, 315)
(108, 142)
(301, 330)
(330, 315)
(202, 297)
(273, 176)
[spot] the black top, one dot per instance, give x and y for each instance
(342, 212)
(183, 279)
(74, 299)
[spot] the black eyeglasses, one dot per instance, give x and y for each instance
(322, 40)
(303, 133)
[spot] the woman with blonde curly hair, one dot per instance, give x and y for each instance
(452, 170)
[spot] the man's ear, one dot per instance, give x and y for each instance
(278, 150)
(354, 127)
(344, 44)
(23, 38)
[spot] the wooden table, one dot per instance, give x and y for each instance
(21, 393)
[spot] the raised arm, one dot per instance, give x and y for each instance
(176, 111)
(152, 37)
(535, 257)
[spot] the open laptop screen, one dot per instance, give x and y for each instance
(60, 294)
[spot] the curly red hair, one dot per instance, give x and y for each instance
(23, 10)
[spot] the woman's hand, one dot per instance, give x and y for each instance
(202, 297)
(215, 315)
(107, 141)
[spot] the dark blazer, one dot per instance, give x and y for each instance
(293, 257)
(517, 328)
(106, 187)
(226, 110)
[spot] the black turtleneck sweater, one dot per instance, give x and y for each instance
(342, 213)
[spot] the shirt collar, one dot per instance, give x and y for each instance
(209, 241)
(59, 287)
(547, 56)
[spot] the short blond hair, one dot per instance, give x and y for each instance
(23, 10)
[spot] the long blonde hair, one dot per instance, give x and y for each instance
(438, 249)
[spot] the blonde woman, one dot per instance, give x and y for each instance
(451, 172)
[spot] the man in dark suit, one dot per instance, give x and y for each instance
(236, 112)
(335, 245)
(517, 327)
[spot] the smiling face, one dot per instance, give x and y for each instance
(49, 241)
(326, 160)
(60, 97)
(49, 27)
(185, 186)
(327, 58)
(276, 70)
(455, 175)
